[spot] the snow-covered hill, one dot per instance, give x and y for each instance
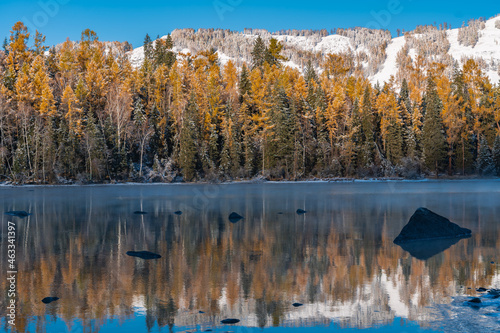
(487, 48)
(379, 65)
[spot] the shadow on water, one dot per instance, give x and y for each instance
(426, 249)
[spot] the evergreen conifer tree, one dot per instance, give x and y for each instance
(394, 143)
(245, 84)
(485, 164)
(310, 73)
(496, 154)
(281, 146)
(5, 46)
(367, 143)
(148, 48)
(258, 53)
(433, 141)
(187, 145)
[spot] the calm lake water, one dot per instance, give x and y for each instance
(338, 259)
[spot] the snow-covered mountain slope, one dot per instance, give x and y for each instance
(487, 48)
(376, 52)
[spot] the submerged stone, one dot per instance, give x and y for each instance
(475, 300)
(18, 213)
(178, 212)
(230, 321)
(144, 255)
(296, 305)
(481, 290)
(425, 224)
(235, 217)
(48, 300)
(140, 212)
(301, 211)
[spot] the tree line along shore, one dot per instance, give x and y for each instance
(82, 112)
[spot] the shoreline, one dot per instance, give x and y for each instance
(259, 180)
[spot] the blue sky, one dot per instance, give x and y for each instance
(131, 20)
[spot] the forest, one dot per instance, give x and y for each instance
(82, 112)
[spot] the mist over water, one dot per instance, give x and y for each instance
(338, 259)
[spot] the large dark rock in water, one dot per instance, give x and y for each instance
(48, 300)
(144, 255)
(235, 217)
(425, 224)
(18, 213)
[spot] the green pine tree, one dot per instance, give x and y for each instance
(258, 53)
(170, 55)
(281, 147)
(409, 136)
(309, 73)
(367, 140)
(245, 84)
(465, 155)
(5, 46)
(496, 154)
(394, 143)
(485, 164)
(433, 139)
(148, 48)
(187, 144)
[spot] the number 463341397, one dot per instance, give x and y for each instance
(11, 251)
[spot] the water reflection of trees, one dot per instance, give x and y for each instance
(339, 259)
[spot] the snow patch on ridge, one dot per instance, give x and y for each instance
(487, 48)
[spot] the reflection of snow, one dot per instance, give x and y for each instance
(139, 304)
(378, 303)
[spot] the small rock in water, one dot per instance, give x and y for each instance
(494, 293)
(140, 212)
(201, 312)
(235, 217)
(301, 211)
(230, 321)
(144, 255)
(178, 212)
(475, 300)
(18, 213)
(481, 290)
(48, 300)
(296, 305)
